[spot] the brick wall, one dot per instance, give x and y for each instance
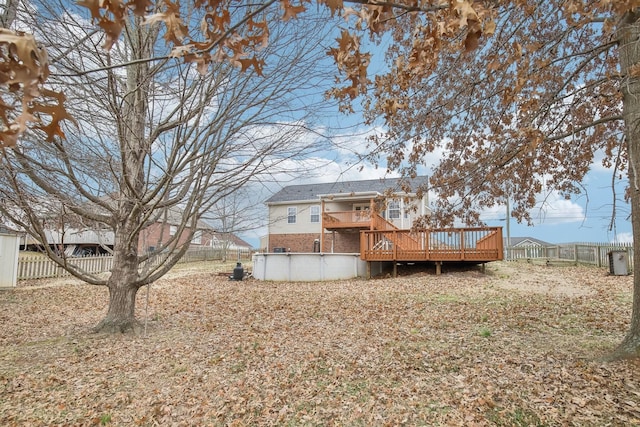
(158, 234)
(344, 242)
(347, 242)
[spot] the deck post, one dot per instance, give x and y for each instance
(438, 268)
(372, 207)
(395, 269)
(322, 226)
(368, 273)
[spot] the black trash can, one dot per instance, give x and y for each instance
(238, 272)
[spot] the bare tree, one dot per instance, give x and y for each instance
(151, 136)
(8, 14)
(239, 212)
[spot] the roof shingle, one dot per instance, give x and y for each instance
(310, 192)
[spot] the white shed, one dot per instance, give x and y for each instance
(9, 246)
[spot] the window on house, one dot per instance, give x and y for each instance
(197, 238)
(394, 209)
(173, 230)
(315, 213)
(292, 213)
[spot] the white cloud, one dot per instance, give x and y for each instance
(550, 209)
(623, 238)
(597, 166)
(554, 209)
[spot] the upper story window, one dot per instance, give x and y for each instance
(315, 213)
(197, 237)
(173, 230)
(292, 213)
(394, 209)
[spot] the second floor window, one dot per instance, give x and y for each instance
(394, 209)
(291, 215)
(315, 213)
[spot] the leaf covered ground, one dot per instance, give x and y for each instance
(519, 345)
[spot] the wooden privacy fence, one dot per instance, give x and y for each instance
(596, 254)
(41, 267)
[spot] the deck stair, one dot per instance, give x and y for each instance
(404, 241)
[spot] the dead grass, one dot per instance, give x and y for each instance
(519, 346)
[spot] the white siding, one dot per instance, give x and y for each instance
(278, 219)
(278, 223)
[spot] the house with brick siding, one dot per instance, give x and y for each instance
(329, 217)
(75, 240)
(156, 234)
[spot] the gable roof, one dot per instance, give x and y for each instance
(231, 238)
(174, 217)
(312, 192)
(526, 241)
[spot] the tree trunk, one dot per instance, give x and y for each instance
(123, 288)
(629, 47)
(121, 314)
(123, 283)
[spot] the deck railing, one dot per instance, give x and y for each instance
(346, 219)
(379, 223)
(451, 244)
(349, 219)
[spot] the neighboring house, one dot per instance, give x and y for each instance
(229, 241)
(90, 241)
(154, 236)
(524, 241)
(79, 242)
(524, 247)
(329, 217)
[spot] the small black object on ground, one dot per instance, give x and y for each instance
(238, 272)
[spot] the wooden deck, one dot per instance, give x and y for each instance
(381, 240)
(482, 244)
